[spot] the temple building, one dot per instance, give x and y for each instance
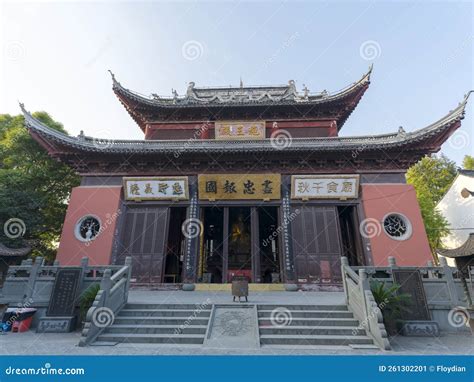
(249, 181)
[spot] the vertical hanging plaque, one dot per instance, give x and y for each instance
(192, 228)
(287, 247)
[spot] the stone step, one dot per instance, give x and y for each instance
(304, 314)
(192, 307)
(311, 330)
(157, 329)
(140, 320)
(265, 321)
(178, 313)
(314, 340)
(292, 307)
(153, 338)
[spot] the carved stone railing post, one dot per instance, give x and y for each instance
(448, 276)
(363, 287)
(106, 283)
(84, 264)
(34, 271)
(344, 264)
(430, 273)
(392, 262)
(128, 263)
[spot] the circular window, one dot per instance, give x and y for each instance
(397, 226)
(87, 228)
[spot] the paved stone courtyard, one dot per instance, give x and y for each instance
(30, 343)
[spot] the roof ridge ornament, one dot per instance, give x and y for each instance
(292, 87)
(113, 76)
(466, 96)
(305, 91)
(401, 132)
(190, 90)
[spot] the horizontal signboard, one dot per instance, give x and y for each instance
(156, 188)
(239, 186)
(324, 186)
(240, 130)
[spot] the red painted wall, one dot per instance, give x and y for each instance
(378, 200)
(102, 202)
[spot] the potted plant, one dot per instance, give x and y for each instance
(390, 302)
(86, 300)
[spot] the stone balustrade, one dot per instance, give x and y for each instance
(446, 292)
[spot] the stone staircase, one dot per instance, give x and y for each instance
(159, 323)
(279, 326)
(309, 326)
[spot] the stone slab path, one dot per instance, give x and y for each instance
(31, 343)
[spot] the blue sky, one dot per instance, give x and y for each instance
(55, 57)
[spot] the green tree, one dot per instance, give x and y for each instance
(33, 187)
(432, 176)
(468, 162)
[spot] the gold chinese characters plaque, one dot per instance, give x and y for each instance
(324, 186)
(240, 130)
(156, 188)
(239, 186)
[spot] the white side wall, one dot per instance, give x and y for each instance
(459, 212)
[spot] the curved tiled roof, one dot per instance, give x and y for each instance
(145, 109)
(467, 249)
(429, 138)
(11, 252)
(240, 96)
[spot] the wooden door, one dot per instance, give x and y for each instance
(145, 232)
(316, 244)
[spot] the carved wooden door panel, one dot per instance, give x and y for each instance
(316, 244)
(145, 231)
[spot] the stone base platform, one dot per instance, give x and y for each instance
(252, 287)
(224, 297)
